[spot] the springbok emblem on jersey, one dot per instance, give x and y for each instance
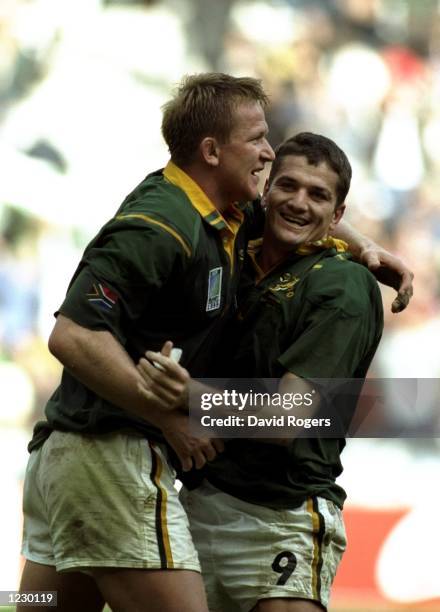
(285, 284)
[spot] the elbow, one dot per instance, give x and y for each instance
(61, 339)
(56, 344)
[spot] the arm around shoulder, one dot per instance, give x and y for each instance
(387, 268)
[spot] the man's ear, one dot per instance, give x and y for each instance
(265, 192)
(209, 150)
(337, 216)
(266, 187)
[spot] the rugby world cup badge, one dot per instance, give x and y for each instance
(214, 289)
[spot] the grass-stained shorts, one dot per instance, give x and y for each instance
(250, 552)
(104, 501)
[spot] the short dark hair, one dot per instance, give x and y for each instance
(316, 149)
(203, 105)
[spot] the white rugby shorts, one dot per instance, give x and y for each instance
(249, 552)
(104, 501)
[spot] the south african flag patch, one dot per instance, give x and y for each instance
(102, 296)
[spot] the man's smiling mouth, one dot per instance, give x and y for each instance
(292, 220)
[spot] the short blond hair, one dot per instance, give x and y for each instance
(203, 105)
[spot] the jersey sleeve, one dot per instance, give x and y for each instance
(340, 327)
(121, 272)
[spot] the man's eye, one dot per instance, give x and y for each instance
(319, 195)
(288, 186)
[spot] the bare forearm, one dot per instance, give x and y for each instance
(386, 267)
(300, 399)
(295, 397)
(356, 241)
(101, 363)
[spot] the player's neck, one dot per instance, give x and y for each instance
(269, 258)
(207, 183)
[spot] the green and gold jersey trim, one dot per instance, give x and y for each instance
(311, 248)
(198, 198)
(161, 224)
(228, 224)
(329, 242)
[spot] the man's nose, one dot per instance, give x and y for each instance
(268, 152)
(298, 199)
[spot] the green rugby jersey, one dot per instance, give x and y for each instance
(166, 267)
(316, 316)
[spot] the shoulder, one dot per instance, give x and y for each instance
(341, 266)
(339, 282)
(157, 208)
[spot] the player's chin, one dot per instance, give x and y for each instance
(252, 192)
(289, 236)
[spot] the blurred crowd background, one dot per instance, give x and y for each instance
(81, 89)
